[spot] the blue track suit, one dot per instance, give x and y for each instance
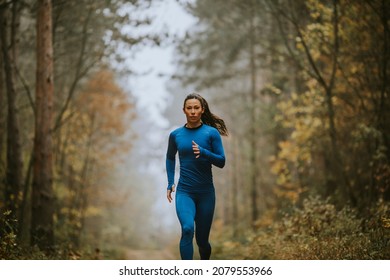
(195, 196)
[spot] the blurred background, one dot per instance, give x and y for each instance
(89, 91)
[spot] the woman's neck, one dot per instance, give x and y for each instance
(193, 125)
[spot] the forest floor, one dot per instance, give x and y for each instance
(163, 254)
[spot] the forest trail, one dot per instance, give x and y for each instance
(163, 254)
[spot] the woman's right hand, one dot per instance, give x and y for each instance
(169, 193)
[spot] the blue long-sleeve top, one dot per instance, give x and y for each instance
(195, 173)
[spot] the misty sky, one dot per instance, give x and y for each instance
(151, 95)
(150, 89)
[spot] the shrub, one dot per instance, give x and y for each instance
(318, 230)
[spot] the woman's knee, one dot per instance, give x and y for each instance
(203, 243)
(188, 231)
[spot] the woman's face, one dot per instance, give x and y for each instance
(193, 110)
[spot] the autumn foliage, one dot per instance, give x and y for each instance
(305, 90)
(64, 128)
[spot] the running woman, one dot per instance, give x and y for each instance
(199, 145)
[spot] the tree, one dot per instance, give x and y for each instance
(339, 96)
(87, 36)
(2, 111)
(224, 55)
(8, 37)
(42, 231)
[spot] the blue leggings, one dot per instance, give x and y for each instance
(198, 208)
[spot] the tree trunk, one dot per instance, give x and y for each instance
(14, 167)
(2, 107)
(42, 232)
(235, 187)
(383, 108)
(253, 134)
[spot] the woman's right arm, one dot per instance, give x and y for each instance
(170, 164)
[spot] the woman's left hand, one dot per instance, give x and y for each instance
(196, 149)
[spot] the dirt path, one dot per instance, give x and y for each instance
(149, 255)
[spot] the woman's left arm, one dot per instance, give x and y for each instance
(217, 155)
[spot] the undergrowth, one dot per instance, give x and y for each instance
(12, 249)
(316, 231)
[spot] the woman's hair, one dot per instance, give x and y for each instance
(208, 117)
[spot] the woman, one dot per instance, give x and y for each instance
(199, 145)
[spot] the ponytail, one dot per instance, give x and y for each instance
(208, 117)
